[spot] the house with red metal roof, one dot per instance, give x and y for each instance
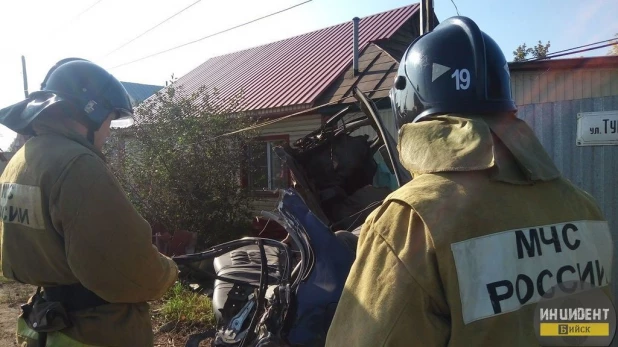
(305, 71)
(294, 74)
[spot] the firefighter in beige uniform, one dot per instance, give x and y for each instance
(67, 225)
(459, 255)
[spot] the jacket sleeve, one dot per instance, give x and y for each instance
(108, 244)
(383, 303)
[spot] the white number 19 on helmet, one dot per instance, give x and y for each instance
(462, 79)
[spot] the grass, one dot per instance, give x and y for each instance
(183, 306)
(181, 314)
(179, 305)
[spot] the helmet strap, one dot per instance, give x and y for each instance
(92, 128)
(90, 135)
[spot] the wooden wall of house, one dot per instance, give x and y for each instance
(534, 87)
(264, 204)
(387, 119)
(295, 127)
(401, 40)
(377, 71)
(300, 127)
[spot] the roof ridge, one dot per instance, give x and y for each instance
(295, 70)
(142, 84)
(314, 31)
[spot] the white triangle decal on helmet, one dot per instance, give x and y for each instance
(438, 70)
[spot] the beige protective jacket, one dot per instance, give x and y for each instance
(65, 219)
(439, 261)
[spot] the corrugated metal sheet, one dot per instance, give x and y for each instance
(541, 86)
(593, 168)
(292, 71)
(140, 92)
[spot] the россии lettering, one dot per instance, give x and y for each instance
(12, 214)
(528, 243)
(21, 204)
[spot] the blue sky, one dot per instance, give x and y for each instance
(566, 23)
(57, 30)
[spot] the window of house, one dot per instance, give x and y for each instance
(267, 170)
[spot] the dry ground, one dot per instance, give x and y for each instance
(13, 294)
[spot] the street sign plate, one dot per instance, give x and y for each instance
(597, 128)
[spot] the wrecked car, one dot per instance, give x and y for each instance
(284, 292)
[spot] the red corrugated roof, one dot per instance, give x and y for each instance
(293, 71)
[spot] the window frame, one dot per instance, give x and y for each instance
(269, 191)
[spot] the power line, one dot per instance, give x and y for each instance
(86, 10)
(65, 24)
(573, 52)
(209, 36)
(309, 110)
(154, 27)
(570, 49)
(456, 9)
(279, 119)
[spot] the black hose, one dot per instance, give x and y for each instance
(232, 245)
(261, 294)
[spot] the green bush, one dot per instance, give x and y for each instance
(177, 169)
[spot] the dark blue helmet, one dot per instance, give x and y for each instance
(456, 68)
(88, 89)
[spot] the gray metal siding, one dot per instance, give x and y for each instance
(534, 87)
(592, 168)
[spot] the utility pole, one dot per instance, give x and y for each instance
(426, 16)
(23, 68)
(21, 139)
(429, 16)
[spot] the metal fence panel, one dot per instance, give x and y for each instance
(592, 168)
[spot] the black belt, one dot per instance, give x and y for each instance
(74, 297)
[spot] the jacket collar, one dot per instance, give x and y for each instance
(46, 128)
(502, 144)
